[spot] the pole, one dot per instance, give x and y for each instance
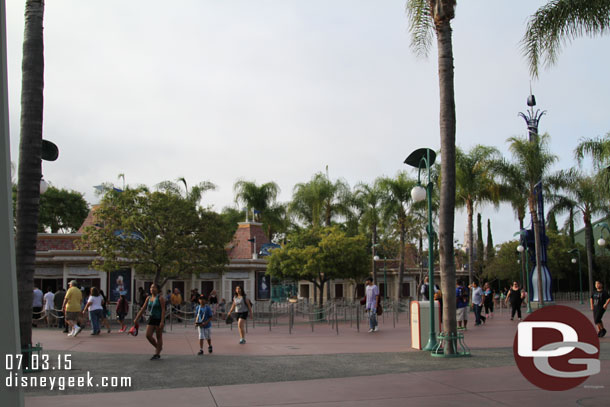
(579, 276)
(529, 305)
(432, 338)
(385, 280)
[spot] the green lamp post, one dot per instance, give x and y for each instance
(424, 157)
(521, 249)
(577, 252)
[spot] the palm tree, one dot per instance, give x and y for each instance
(427, 16)
(475, 185)
(368, 199)
(534, 159)
(316, 202)
(395, 207)
(559, 22)
(598, 149)
(261, 199)
(30, 168)
(193, 195)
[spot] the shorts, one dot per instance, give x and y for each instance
(205, 333)
(462, 314)
(597, 315)
(241, 315)
(72, 316)
(120, 316)
(154, 321)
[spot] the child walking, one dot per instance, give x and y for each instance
(122, 307)
(203, 321)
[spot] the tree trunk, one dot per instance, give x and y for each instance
(538, 245)
(524, 270)
(447, 202)
(401, 266)
(30, 171)
(589, 247)
(374, 239)
(470, 233)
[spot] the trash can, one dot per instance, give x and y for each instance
(420, 322)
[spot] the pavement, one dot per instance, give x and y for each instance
(303, 368)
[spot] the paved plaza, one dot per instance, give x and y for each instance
(305, 368)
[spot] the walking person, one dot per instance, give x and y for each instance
(48, 306)
(599, 303)
(176, 300)
(37, 306)
(241, 306)
(94, 305)
(515, 297)
(461, 307)
(72, 308)
(122, 308)
(203, 322)
(105, 314)
(372, 303)
(141, 299)
(488, 301)
(477, 302)
(58, 301)
(155, 306)
(425, 290)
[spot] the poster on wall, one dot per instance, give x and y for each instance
(120, 283)
(263, 286)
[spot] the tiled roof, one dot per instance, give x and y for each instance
(240, 247)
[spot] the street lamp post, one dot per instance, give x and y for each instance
(522, 249)
(577, 252)
(426, 157)
(385, 277)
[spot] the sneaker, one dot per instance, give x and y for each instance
(603, 333)
(108, 330)
(200, 352)
(376, 329)
(242, 341)
(71, 333)
(599, 334)
(209, 349)
(155, 357)
(77, 330)
(371, 330)
(122, 330)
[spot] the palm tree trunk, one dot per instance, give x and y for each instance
(30, 172)
(538, 247)
(447, 203)
(470, 212)
(401, 266)
(524, 271)
(589, 247)
(374, 269)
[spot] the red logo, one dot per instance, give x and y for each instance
(556, 348)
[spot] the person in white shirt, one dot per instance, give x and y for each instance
(36, 305)
(94, 305)
(372, 303)
(48, 305)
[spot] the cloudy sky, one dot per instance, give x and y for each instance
(276, 90)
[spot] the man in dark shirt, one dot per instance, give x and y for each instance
(599, 302)
(58, 301)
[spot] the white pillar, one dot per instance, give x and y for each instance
(10, 340)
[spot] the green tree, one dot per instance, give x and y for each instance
(368, 200)
(320, 255)
(160, 233)
(490, 251)
(395, 207)
(505, 265)
(62, 210)
(582, 192)
(30, 168)
(551, 223)
(480, 252)
(427, 17)
(559, 22)
(598, 150)
(261, 200)
(320, 200)
(534, 160)
(475, 178)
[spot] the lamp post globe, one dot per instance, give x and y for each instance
(574, 260)
(418, 193)
(375, 257)
(601, 241)
(520, 249)
(44, 185)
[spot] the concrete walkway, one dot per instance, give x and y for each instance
(321, 368)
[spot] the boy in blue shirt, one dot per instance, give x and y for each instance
(203, 321)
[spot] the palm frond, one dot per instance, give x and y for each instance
(421, 26)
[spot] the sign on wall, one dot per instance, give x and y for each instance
(120, 284)
(263, 286)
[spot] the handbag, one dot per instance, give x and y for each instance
(363, 301)
(379, 310)
(229, 319)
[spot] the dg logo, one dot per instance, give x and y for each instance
(556, 348)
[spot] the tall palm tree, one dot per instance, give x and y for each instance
(582, 192)
(475, 185)
(598, 149)
(535, 160)
(559, 22)
(395, 207)
(426, 17)
(193, 195)
(320, 200)
(259, 198)
(30, 168)
(368, 199)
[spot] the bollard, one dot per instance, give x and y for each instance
(358, 319)
(336, 320)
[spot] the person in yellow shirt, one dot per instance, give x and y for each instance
(176, 301)
(72, 308)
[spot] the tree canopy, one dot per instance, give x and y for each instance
(161, 233)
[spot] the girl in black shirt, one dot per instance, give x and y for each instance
(599, 302)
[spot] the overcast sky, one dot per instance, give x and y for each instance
(276, 90)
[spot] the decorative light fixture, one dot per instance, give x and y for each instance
(418, 193)
(520, 249)
(44, 185)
